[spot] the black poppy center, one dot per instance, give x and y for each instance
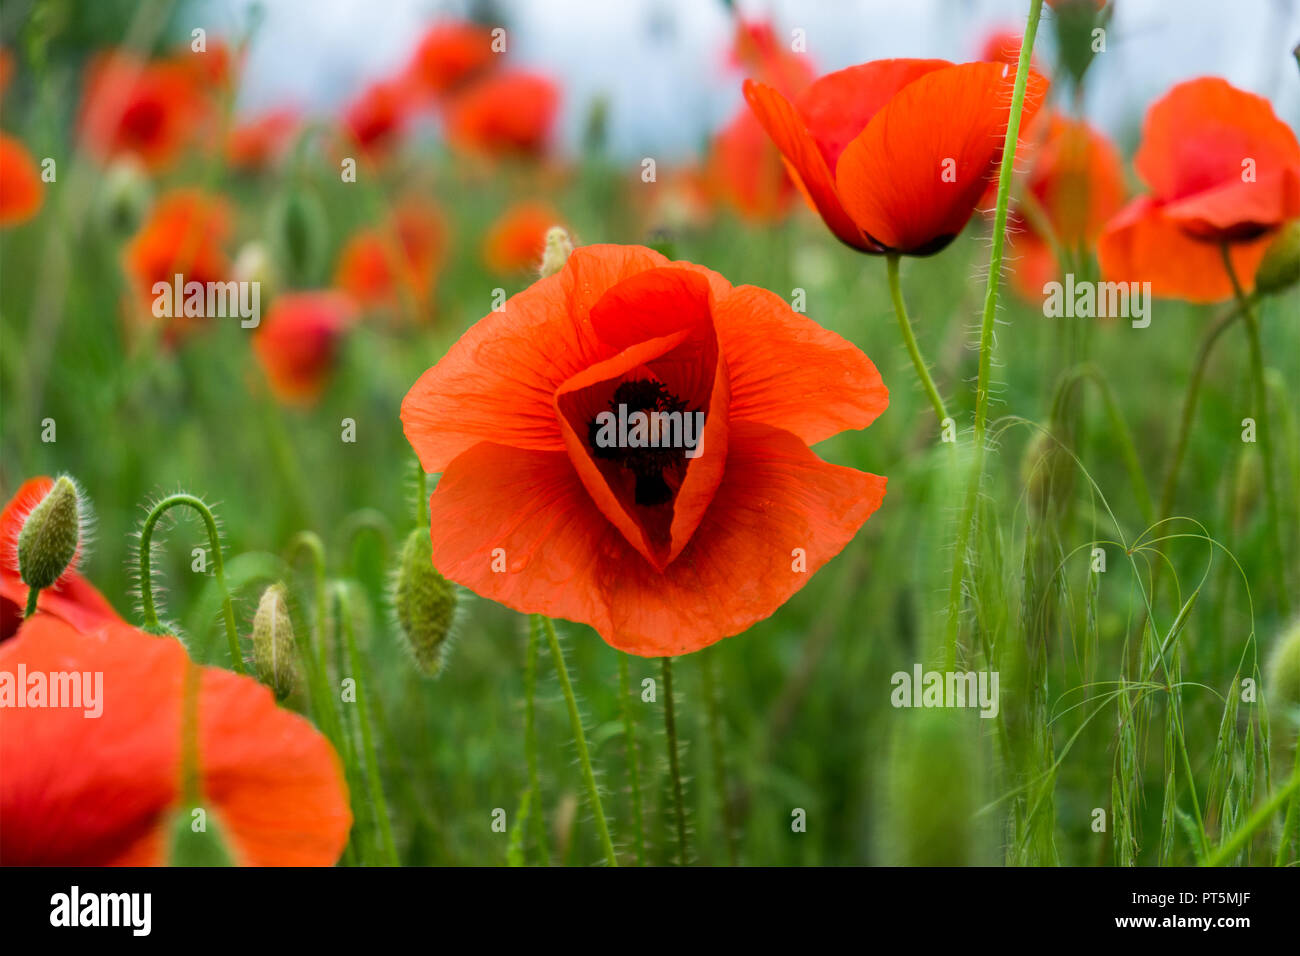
(649, 431)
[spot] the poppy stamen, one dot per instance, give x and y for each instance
(651, 462)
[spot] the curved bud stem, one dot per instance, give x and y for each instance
(310, 542)
(150, 611)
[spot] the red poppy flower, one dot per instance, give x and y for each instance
(660, 552)
(298, 342)
(756, 49)
(378, 267)
(1222, 169)
(21, 190)
(503, 113)
(149, 110)
(895, 154)
(183, 236)
(261, 141)
(94, 791)
(746, 171)
(71, 598)
(450, 53)
(376, 118)
(1076, 183)
(516, 241)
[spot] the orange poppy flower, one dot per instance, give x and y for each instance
(756, 49)
(377, 267)
(663, 550)
(516, 241)
(509, 112)
(149, 110)
(450, 53)
(746, 171)
(182, 236)
(895, 154)
(298, 342)
(80, 790)
(71, 598)
(21, 189)
(1222, 169)
(376, 118)
(1076, 182)
(259, 142)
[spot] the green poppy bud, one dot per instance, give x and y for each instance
(559, 246)
(123, 197)
(1280, 267)
(274, 647)
(296, 227)
(48, 541)
(425, 603)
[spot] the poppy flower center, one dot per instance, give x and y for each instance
(143, 119)
(650, 432)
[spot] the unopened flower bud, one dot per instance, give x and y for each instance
(296, 227)
(50, 536)
(273, 644)
(1280, 267)
(1045, 475)
(123, 197)
(425, 603)
(559, 246)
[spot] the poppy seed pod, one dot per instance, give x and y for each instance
(425, 603)
(1280, 267)
(51, 534)
(559, 246)
(273, 643)
(296, 226)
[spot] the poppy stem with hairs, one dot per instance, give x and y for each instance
(378, 804)
(580, 741)
(150, 611)
(1261, 416)
(909, 339)
(967, 519)
(530, 737)
(310, 542)
(421, 495)
(674, 763)
(32, 595)
(633, 760)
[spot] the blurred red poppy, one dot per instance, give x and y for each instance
(1222, 168)
(516, 241)
(746, 171)
(149, 110)
(81, 790)
(449, 54)
(503, 113)
(756, 49)
(1003, 46)
(71, 598)
(1075, 184)
(262, 140)
(21, 190)
(895, 154)
(297, 343)
(377, 117)
(660, 551)
(380, 266)
(182, 236)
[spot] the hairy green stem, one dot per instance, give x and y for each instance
(909, 339)
(715, 749)
(966, 522)
(633, 761)
(378, 804)
(530, 738)
(150, 610)
(674, 762)
(32, 595)
(310, 542)
(580, 741)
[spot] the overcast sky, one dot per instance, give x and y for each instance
(661, 64)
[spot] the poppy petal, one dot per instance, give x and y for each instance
(498, 381)
(787, 371)
(805, 162)
(1142, 244)
(914, 176)
(565, 560)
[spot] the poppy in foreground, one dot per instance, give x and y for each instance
(1223, 170)
(21, 191)
(97, 783)
(557, 497)
(895, 154)
(298, 343)
(71, 598)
